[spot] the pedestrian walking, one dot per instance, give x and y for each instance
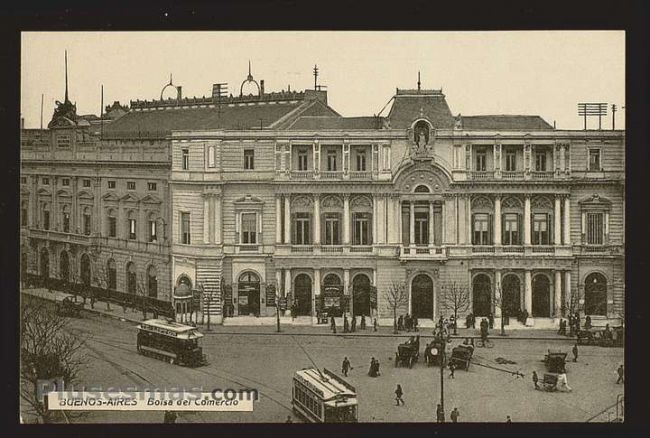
(362, 326)
(454, 415)
(440, 414)
(621, 374)
(400, 323)
(374, 324)
(575, 352)
(577, 319)
(535, 380)
(491, 320)
(372, 372)
(346, 324)
(346, 366)
(170, 417)
(588, 322)
(452, 368)
(415, 324)
(398, 395)
(407, 322)
(353, 326)
(333, 324)
(377, 367)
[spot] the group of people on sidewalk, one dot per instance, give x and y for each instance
(351, 327)
(408, 323)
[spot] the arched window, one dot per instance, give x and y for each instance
(482, 209)
(152, 281)
(111, 224)
(541, 220)
(152, 227)
(596, 294)
(131, 278)
(361, 220)
(331, 220)
(87, 220)
(65, 218)
(248, 289)
(86, 273)
(45, 263)
(131, 225)
(511, 221)
(481, 295)
(301, 213)
(46, 216)
(24, 210)
(64, 266)
(422, 189)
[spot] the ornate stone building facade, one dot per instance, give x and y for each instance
(272, 195)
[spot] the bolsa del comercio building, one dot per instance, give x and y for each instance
(268, 197)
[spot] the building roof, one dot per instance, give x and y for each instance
(410, 105)
(505, 122)
(337, 123)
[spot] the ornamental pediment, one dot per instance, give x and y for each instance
(24, 191)
(64, 193)
(595, 200)
(111, 197)
(44, 192)
(151, 199)
(84, 194)
(130, 197)
(249, 200)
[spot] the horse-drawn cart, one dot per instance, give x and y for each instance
(555, 361)
(408, 352)
(461, 356)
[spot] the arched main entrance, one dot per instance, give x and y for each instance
(596, 294)
(541, 296)
(511, 295)
(85, 270)
(45, 264)
(422, 297)
(152, 277)
(248, 290)
(481, 295)
(302, 295)
(361, 295)
(332, 292)
(64, 266)
(131, 278)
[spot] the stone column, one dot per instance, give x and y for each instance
(567, 221)
(528, 294)
(287, 286)
(218, 236)
(278, 220)
(468, 218)
(557, 294)
(527, 221)
(497, 220)
(316, 239)
(346, 219)
(278, 281)
(74, 219)
(567, 286)
(346, 287)
(412, 223)
(54, 208)
(316, 294)
(206, 219)
(287, 219)
(497, 294)
(375, 219)
(557, 215)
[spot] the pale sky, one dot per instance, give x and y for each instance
(539, 73)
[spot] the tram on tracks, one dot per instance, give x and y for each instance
(171, 342)
(323, 397)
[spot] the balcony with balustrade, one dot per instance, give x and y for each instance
(422, 252)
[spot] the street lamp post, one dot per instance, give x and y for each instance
(441, 340)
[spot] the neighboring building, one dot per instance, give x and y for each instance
(275, 194)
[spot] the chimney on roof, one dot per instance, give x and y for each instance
(262, 87)
(179, 91)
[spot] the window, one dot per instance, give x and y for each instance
(23, 215)
(86, 222)
(132, 228)
(46, 219)
(540, 229)
(46, 181)
(130, 185)
(511, 233)
(481, 160)
(482, 229)
(421, 222)
(112, 226)
(151, 186)
(185, 228)
(595, 228)
(511, 161)
(249, 228)
(23, 180)
(540, 161)
(594, 159)
(66, 221)
(361, 162)
(386, 158)
(211, 156)
(153, 234)
(111, 184)
(249, 159)
(302, 159)
(86, 183)
(332, 229)
(331, 160)
(361, 229)
(302, 234)
(185, 159)
(65, 182)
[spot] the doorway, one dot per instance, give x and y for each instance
(422, 297)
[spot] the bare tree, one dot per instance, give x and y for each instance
(455, 298)
(397, 296)
(142, 293)
(48, 351)
(101, 278)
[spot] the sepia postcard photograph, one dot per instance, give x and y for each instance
(322, 227)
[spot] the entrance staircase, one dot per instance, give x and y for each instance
(208, 273)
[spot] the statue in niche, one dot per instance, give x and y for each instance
(421, 135)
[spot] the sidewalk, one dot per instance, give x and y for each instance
(295, 326)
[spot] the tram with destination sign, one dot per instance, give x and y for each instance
(170, 341)
(323, 397)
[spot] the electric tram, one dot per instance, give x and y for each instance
(170, 341)
(323, 397)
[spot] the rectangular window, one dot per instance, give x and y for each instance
(249, 228)
(153, 234)
(386, 158)
(132, 234)
(111, 184)
(112, 227)
(481, 229)
(86, 183)
(594, 159)
(65, 182)
(331, 160)
(302, 159)
(151, 186)
(511, 229)
(211, 156)
(421, 223)
(185, 228)
(46, 181)
(185, 160)
(332, 229)
(46, 220)
(540, 229)
(540, 161)
(302, 235)
(361, 162)
(130, 185)
(86, 224)
(361, 229)
(249, 159)
(511, 161)
(481, 160)
(406, 235)
(595, 228)
(66, 222)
